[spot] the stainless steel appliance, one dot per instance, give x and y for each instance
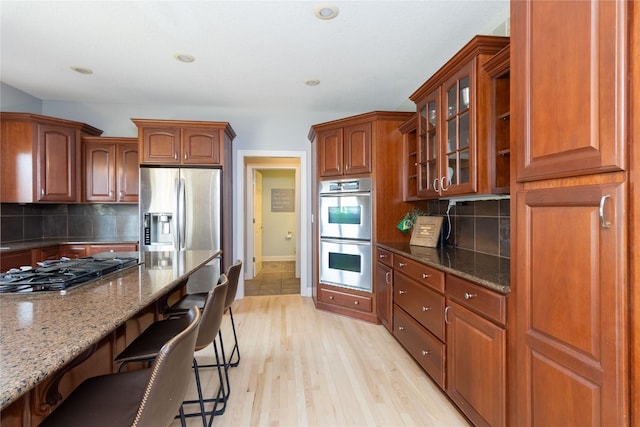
(62, 275)
(345, 209)
(180, 209)
(345, 233)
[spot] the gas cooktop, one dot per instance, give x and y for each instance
(61, 275)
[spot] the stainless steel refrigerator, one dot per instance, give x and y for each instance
(180, 209)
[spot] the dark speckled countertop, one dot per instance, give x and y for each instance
(40, 332)
(487, 270)
(33, 244)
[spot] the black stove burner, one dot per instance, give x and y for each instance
(61, 275)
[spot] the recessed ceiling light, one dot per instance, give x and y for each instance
(326, 11)
(312, 82)
(184, 57)
(81, 70)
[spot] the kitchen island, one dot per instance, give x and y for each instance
(51, 341)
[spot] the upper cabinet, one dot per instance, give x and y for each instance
(345, 150)
(41, 158)
(576, 93)
(172, 142)
(454, 137)
(111, 169)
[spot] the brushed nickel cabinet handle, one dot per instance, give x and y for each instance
(442, 181)
(426, 352)
(425, 308)
(382, 256)
(42, 192)
(185, 156)
(402, 291)
(175, 156)
(425, 275)
(387, 275)
(402, 264)
(356, 302)
(331, 297)
(435, 186)
(446, 317)
(401, 328)
(603, 221)
(469, 296)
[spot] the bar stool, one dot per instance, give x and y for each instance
(233, 273)
(147, 397)
(145, 347)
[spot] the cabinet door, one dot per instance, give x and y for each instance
(201, 146)
(14, 259)
(57, 164)
(571, 326)
(357, 149)
(100, 171)
(73, 251)
(161, 145)
(330, 153)
(458, 171)
(572, 113)
(476, 366)
(384, 294)
(429, 182)
(128, 172)
(118, 247)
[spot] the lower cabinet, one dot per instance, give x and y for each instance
(476, 352)
(349, 302)
(383, 280)
(456, 331)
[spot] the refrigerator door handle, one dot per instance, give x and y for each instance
(181, 215)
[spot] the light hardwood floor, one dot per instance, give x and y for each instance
(305, 367)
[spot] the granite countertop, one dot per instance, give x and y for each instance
(486, 270)
(41, 332)
(33, 244)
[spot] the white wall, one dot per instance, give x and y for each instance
(15, 100)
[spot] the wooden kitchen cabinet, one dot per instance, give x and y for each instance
(41, 158)
(345, 151)
(111, 169)
(454, 138)
(418, 314)
(73, 251)
(173, 142)
(365, 145)
(570, 110)
(111, 247)
(409, 130)
(384, 286)
(476, 351)
(14, 259)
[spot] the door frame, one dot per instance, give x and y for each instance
(252, 168)
(304, 230)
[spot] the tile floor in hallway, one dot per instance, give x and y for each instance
(275, 278)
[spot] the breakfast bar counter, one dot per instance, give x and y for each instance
(42, 333)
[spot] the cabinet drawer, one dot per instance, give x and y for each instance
(490, 304)
(422, 303)
(344, 299)
(428, 351)
(420, 272)
(384, 256)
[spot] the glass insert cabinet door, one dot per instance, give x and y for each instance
(458, 168)
(428, 148)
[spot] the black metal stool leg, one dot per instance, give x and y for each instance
(236, 348)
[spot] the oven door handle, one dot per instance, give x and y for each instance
(346, 241)
(347, 194)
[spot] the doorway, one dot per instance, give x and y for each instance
(277, 199)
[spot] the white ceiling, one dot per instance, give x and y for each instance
(248, 54)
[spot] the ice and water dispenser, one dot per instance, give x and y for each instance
(157, 228)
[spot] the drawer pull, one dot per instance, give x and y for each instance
(425, 275)
(426, 352)
(425, 308)
(401, 328)
(382, 256)
(402, 292)
(331, 297)
(469, 296)
(402, 264)
(387, 277)
(356, 302)
(446, 317)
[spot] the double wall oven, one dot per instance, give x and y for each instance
(345, 233)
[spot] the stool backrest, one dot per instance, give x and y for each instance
(170, 376)
(233, 273)
(212, 313)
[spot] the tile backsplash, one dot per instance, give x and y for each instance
(20, 223)
(481, 226)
